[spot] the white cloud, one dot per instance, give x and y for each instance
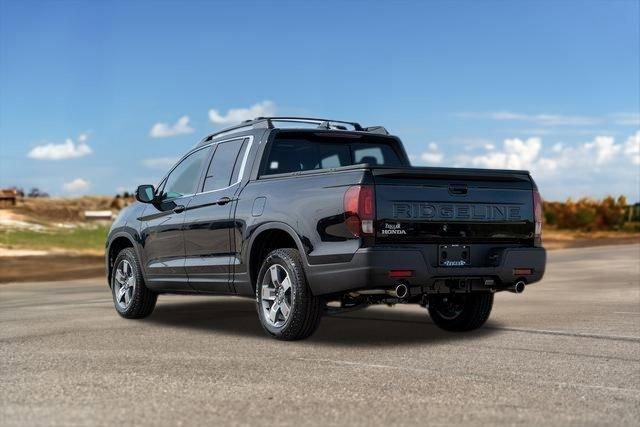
(237, 115)
(528, 154)
(433, 155)
(594, 168)
(160, 162)
(542, 119)
(632, 148)
(66, 150)
(78, 185)
(632, 119)
(164, 130)
(516, 154)
(604, 149)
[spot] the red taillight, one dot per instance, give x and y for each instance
(537, 211)
(360, 210)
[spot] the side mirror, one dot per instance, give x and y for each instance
(145, 193)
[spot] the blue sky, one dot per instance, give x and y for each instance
(94, 95)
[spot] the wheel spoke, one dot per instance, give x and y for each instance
(130, 282)
(127, 296)
(268, 293)
(285, 309)
(286, 283)
(120, 294)
(119, 277)
(125, 268)
(274, 275)
(273, 312)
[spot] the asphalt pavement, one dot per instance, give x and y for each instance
(565, 352)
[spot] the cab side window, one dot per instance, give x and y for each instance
(223, 170)
(184, 178)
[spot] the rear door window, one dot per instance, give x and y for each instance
(225, 160)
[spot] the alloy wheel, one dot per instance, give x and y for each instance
(124, 283)
(276, 296)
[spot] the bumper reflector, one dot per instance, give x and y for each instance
(396, 274)
(522, 271)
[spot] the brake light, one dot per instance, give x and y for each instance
(537, 211)
(360, 210)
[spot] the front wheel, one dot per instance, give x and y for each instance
(460, 312)
(286, 307)
(132, 299)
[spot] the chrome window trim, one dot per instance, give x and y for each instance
(244, 159)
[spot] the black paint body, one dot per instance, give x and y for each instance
(195, 245)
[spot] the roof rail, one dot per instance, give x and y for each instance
(268, 122)
(323, 123)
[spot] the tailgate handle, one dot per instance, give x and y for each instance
(458, 189)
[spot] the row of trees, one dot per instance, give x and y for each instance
(34, 192)
(590, 214)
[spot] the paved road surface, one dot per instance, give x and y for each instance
(566, 352)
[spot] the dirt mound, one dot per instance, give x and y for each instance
(66, 210)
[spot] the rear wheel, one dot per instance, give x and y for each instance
(460, 312)
(132, 299)
(286, 307)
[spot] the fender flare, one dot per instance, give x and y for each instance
(274, 225)
(134, 243)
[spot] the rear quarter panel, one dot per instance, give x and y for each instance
(310, 204)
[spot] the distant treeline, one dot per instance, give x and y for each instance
(589, 214)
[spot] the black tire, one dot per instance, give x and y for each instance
(460, 312)
(305, 309)
(142, 301)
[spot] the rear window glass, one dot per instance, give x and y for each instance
(295, 154)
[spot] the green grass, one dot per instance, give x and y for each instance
(68, 239)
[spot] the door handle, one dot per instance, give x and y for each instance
(223, 200)
(179, 209)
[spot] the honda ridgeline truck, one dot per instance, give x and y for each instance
(313, 216)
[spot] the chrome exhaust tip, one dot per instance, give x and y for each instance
(401, 291)
(518, 287)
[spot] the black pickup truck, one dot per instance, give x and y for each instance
(313, 216)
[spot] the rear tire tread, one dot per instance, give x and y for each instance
(307, 309)
(477, 309)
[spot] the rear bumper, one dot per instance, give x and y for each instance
(369, 269)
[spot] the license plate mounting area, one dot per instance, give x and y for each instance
(454, 255)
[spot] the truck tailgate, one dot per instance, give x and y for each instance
(434, 205)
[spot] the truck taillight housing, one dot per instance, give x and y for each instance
(537, 211)
(360, 210)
